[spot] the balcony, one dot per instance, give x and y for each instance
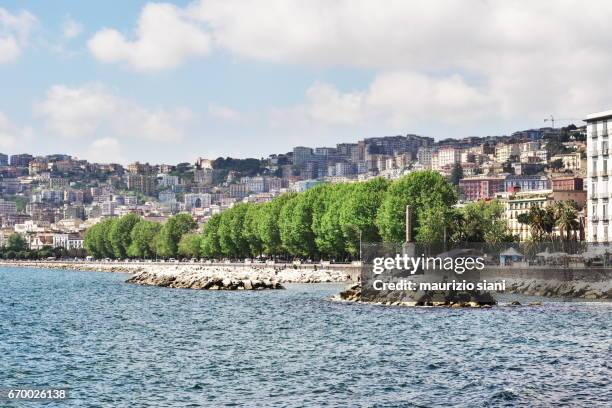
(594, 134)
(604, 195)
(602, 173)
(595, 218)
(604, 152)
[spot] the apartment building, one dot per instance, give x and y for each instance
(503, 152)
(480, 188)
(598, 177)
(571, 161)
(448, 156)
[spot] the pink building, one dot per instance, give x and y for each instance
(480, 188)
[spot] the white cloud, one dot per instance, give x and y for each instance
(223, 112)
(459, 58)
(11, 135)
(104, 150)
(522, 57)
(165, 38)
(14, 32)
(71, 28)
(92, 109)
(394, 99)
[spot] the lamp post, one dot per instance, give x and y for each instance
(353, 226)
(359, 229)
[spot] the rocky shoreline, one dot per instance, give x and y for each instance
(355, 293)
(530, 287)
(159, 273)
(563, 289)
(201, 276)
(203, 282)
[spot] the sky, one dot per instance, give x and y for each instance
(119, 81)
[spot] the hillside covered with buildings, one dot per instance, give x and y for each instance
(52, 200)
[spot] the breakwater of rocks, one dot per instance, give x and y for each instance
(356, 293)
(202, 276)
(564, 289)
(202, 281)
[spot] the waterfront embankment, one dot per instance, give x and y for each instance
(591, 284)
(221, 276)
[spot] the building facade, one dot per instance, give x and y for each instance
(480, 188)
(598, 177)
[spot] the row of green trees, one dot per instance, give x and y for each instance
(542, 221)
(329, 220)
(326, 222)
(134, 237)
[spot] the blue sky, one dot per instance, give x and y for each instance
(169, 82)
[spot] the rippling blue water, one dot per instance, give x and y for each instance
(114, 345)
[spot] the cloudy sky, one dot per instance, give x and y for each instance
(167, 82)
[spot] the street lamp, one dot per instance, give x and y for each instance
(359, 244)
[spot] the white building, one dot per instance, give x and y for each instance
(448, 156)
(503, 151)
(203, 200)
(571, 161)
(68, 241)
(598, 179)
(424, 155)
(167, 180)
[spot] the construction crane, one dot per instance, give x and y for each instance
(552, 120)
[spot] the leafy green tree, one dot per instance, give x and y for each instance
(237, 229)
(171, 233)
(226, 243)
(435, 223)
(556, 164)
(456, 174)
(120, 234)
(210, 247)
(97, 239)
(482, 221)
(358, 212)
(296, 225)
(329, 237)
(268, 225)
(189, 245)
(252, 219)
(16, 243)
(422, 190)
(106, 227)
(143, 238)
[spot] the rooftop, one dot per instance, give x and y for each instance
(598, 116)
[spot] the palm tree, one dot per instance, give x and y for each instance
(541, 222)
(566, 218)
